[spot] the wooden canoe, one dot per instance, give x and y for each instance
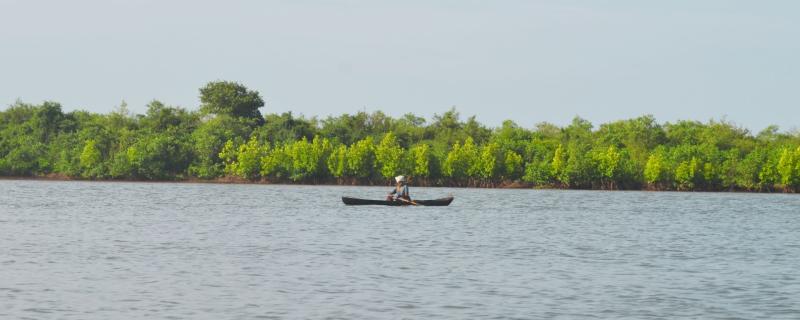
(360, 202)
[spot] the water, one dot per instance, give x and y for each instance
(86, 250)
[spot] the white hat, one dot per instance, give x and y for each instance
(400, 178)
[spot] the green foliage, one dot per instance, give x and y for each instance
(787, 167)
(285, 128)
(249, 159)
(159, 156)
(686, 174)
(304, 160)
(244, 161)
(361, 158)
(656, 170)
(449, 129)
(91, 159)
(301, 162)
(348, 129)
(462, 161)
(749, 170)
(26, 157)
(388, 155)
(231, 99)
(488, 161)
(337, 162)
(579, 170)
(609, 162)
(538, 173)
(228, 136)
(512, 165)
(558, 165)
(511, 136)
(321, 149)
(160, 117)
(797, 168)
(422, 158)
(209, 139)
(275, 164)
(727, 170)
(769, 176)
(65, 154)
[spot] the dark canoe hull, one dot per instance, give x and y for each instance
(360, 202)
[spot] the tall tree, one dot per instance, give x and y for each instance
(231, 98)
(388, 155)
(422, 158)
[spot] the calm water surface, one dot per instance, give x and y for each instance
(85, 250)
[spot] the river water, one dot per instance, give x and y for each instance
(101, 250)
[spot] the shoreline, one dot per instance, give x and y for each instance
(234, 180)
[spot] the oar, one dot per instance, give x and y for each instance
(408, 201)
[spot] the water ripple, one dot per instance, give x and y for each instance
(85, 250)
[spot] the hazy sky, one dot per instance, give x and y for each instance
(529, 61)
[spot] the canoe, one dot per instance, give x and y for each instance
(360, 202)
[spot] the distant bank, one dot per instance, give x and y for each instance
(227, 139)
(237, 180)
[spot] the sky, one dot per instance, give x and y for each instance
(528, 61)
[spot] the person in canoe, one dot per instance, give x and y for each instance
(400, 191)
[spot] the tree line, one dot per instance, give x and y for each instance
(227, 137)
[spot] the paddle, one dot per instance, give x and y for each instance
(408, 201)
